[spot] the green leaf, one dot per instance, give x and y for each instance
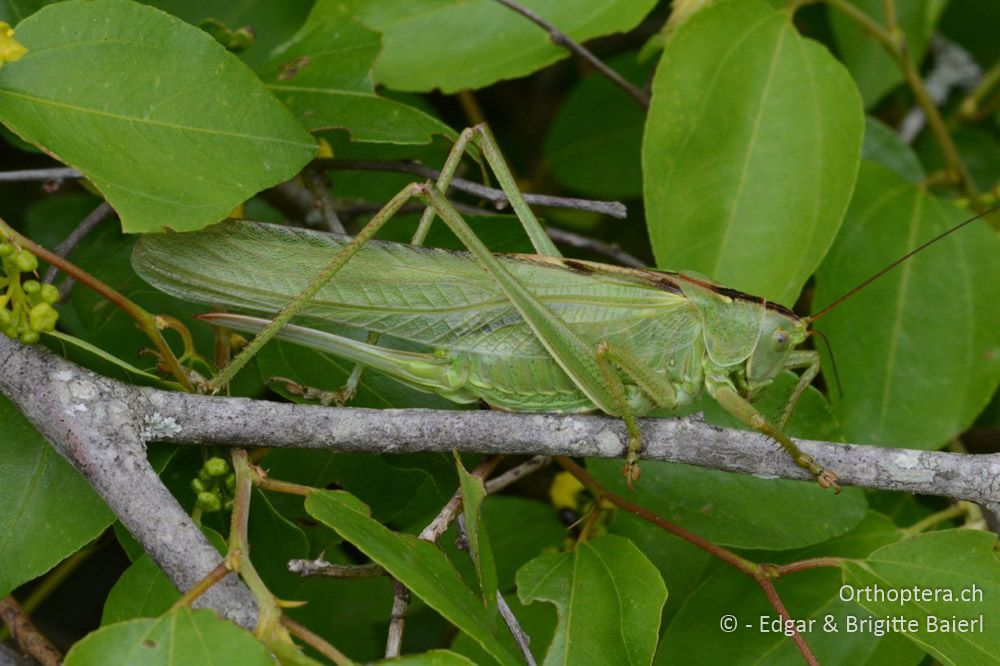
(738, 510)
(609, 598)
(941, 567)
(874, 70)
(694, 635)
(884, 146)
(931, 327)
(173, 130)
(486, 42)
(49, 512)
(14, 11)
(751, 150)
(273, 23)
(324, 77)
(595, 140)
(432, 658)
(473, 494)
(420, 565)
(183, 636)
(142, 591)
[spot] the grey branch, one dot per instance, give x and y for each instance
(101, 425)
(495, 196)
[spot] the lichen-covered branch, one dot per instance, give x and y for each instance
(101, 425)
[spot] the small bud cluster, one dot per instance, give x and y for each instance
(214, 486)
(25, 307)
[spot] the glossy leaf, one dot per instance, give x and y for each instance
(324, 75)
(50, 511)
(173, 130)
(609, 598)
(931, 327)
(459, 44)
(750, 152)
(183, 636)
(420, 565)
(945, 565)
(874, 70)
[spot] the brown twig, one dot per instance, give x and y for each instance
(559, 38)
(144, 320)
(31, 641)
(761, 574)
(316, 642)
(895, 45)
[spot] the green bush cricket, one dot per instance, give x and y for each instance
(519, 332)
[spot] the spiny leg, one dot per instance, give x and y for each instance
(809, 360)
(739, 407)
(655, 386)
(480, 136)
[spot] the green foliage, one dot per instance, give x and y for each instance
(769, 159)
(179, 637)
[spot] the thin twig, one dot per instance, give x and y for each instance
(397, 619)
(64, 249)
(320, 189)
(316, 641)
(559, 38)
(895, 46)
(56, 173)
(31, 641)
(786, 619)
(438, 526)
(593, 245)
(320, 567)
(522, 639)
(516, 630)
(761, 574)
(515, 474)
(497, 197)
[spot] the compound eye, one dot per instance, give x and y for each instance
(780, 339)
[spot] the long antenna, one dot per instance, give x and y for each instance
(813, 317)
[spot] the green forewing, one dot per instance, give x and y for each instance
(438, 298)
(750, 151)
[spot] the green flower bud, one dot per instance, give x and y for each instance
(11, 331)
(25, 261)
(209, 502)
(29, 337)
(42, 318)
(31, 287)
(6, 318)
(228, 506)
(204, 475)
(231, 483)
(216, 466)
(6, 249)
(198, 486)
(49, 294)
